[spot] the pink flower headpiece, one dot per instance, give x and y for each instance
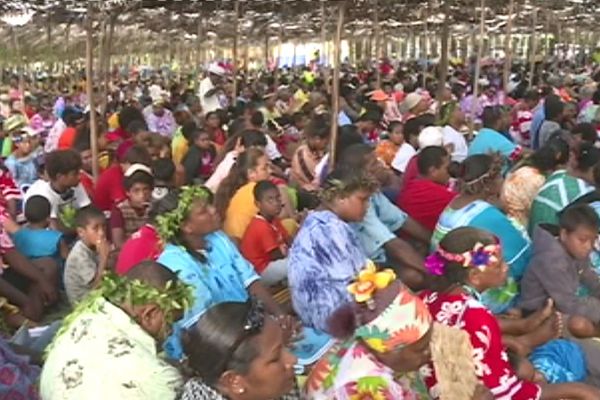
(480, 256)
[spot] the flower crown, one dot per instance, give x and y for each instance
(369, 281)
(480, 256)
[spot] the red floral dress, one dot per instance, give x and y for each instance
(491, 361)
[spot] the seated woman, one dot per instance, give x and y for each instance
(564, 186)
(327, 254)
(236, 351)
(386, 334)
(206, 259)
(480, 185)
(467, 263)
(522, 185)
(235, 199)
(425, 198)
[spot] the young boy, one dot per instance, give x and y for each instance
(131, 214)
(88, 258)
(386, 149)
(36, 239)
(265, 243)
(21, 162)
(560, 266)
(62, 189)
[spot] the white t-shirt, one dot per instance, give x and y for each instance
(457, 139)
(221, 171)
(403, 156)
(78, 200)
(210, 103)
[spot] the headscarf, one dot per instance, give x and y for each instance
(389, 316)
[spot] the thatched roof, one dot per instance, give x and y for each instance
(157, 20)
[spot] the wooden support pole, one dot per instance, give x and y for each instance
(89, 76)
(377, 43)
(200, 41)
(236, 33)
(533, 47)
(425, 46)
(508, 51)
(335, 93)
(266, 48)
(443, 65)
(323, 34)
(478, 67)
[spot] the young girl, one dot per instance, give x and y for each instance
(327, 254)
(214, 128)
(199, 162)
(466, 263)
(235, 199)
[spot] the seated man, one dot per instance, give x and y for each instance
(118, 329)
(378, 232)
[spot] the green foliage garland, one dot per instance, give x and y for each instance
(169, 223)
(173, 298)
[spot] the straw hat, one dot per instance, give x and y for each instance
(411, 101)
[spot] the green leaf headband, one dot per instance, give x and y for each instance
(169, 223)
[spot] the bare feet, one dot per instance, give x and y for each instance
(540, 316)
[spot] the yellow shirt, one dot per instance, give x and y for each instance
(113, 122)
(179, 147)
(240, 212)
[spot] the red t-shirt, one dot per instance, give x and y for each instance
(260, 239)
(411, 172)
(424, 200)
(67, 138)
(87, 181)
(109, 188)
(143, 245)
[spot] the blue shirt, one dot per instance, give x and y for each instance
(225, 276)
(324, 259)
(489, 141)
(23, 170)
(37, 243)
(383, 218)
(539, 116)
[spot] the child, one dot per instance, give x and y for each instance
(265, 242)
(558, 361)
(21, 162)
(386, 149)
(163, 170)
(307, 156)
(36, 239)
(561, 265)
(199, 162)
(88, 258)
(468, 262)
(132, 213)
(62, 189)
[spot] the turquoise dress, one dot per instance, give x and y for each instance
(516, 246)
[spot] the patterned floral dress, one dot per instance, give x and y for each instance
(491, 360)
(349, 371)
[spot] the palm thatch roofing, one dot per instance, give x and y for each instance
(144, 21)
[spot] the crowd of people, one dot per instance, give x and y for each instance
(446, 242)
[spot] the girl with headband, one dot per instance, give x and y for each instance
(466, 263)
